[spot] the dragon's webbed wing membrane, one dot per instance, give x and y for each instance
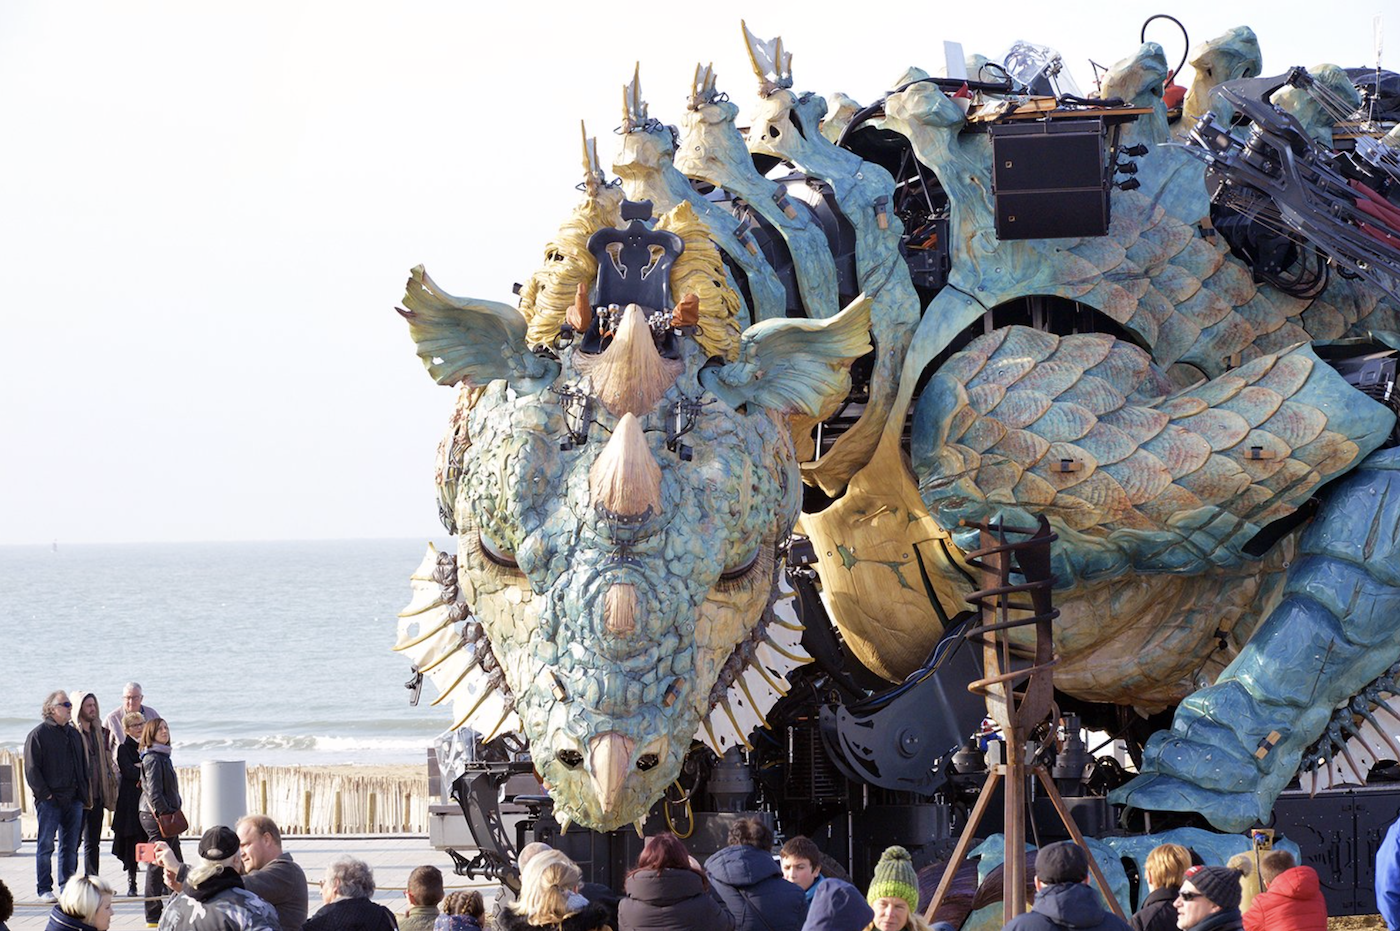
(470, 341)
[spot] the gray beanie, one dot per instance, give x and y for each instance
(1220, 884)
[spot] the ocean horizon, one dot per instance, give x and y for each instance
(274, 652)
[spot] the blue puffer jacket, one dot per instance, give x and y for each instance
(837, 906)
(1064, 906)
(750, 884)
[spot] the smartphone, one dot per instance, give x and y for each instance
(145, 853)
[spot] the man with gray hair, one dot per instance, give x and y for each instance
(57, 774)
(346, 890)
(131, 704)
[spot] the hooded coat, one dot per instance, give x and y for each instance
(1293, 902)
(670, 900)
(837, 906)
(1062, 906)
(751, 885)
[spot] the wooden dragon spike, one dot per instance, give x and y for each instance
(770, 62)
(702, 87)
(593, 176)
(634, 108)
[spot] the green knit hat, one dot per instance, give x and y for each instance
(895, 878)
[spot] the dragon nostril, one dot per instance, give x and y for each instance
(570, 758)
(647, 761)
(774, 132)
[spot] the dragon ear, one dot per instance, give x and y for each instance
(471, 342)
(794, 366)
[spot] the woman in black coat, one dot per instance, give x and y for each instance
(126, 819)
(160, 795)
(664, 893)
(1165, 869)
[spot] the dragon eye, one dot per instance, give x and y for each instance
(495, 553)
(570, 758)
(740, 570)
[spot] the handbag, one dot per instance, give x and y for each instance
(172, 824)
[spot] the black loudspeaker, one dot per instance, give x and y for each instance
(1050, 179)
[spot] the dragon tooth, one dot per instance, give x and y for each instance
(564, 821)
(638, 826)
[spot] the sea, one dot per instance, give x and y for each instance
(275, 653)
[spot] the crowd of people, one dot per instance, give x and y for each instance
(80, 766)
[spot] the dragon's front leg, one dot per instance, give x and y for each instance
(1233, 746)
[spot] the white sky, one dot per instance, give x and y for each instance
(208, 210)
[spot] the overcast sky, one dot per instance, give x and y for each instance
(208, 211)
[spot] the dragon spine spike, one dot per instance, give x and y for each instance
(738, 728)
(634, 108)
(630, 376)
(702, 86)
(620, 608)
(626, 479)
(770, 62)
(609, 759)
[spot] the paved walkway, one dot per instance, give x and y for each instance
(392, 858)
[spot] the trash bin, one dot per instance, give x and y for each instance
(223, 792)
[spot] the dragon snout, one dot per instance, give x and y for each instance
(609, 761)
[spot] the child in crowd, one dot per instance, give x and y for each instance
(424, 892)
(463, 910)
(802, 865)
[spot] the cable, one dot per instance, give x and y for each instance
(1185, 39)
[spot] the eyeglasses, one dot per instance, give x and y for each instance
(1191, 896)
(65, 704)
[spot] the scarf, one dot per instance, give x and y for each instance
(157, 748)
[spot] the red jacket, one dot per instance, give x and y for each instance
(1293, 903)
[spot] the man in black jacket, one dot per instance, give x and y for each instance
(750, 883)
(1063, 898)
(56, 772)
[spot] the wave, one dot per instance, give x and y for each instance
(309, 743)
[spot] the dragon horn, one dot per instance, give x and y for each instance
(770, 62)
(634, 108)
(702, 86)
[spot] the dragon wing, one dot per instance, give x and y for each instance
(465, 340)
(794, 365)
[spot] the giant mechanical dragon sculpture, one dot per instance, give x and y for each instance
(627, 461)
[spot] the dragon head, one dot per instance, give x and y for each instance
(619, 505)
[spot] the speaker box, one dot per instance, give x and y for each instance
(1050, 179)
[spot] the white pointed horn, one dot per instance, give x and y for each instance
(626, 478)
(630, 376)
(609, 760)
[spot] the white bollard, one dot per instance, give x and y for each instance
(223, 792)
